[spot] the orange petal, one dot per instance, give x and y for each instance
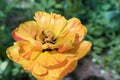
(13, 53)
(27, 54)
(36, 45)
(58, 56)
(64, 70)
(46, 59)
(50, 22)
(26, 64)
(34, 55)
(69, 54)
(74, 25)
(26, 31)
(47, 77)
(65, 43)
(81, 32)
(59, 24)
(44, 20)
(38, 69)
(39, 15)
(83, 49)
(73, 31)
(25, 49)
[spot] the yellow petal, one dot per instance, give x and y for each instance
(65, 43)
(59, 57)
(59, 24)
(69, 54)
(13, 53)
(44, 20)
(50, 22)
(46, 59)
(38, 15)
(64, 70)
(25, 49)
(36, 45)
(46, 77)
(34, 55)
(51, 59)
(73, 31)
(83, 49)
(26, 64)
(38, 69)
(26, 31)
(74, 25)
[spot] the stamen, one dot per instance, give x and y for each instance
(53, 41)
(48, 37)
(49, 49)
(44, 33)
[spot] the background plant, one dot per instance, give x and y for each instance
(101, 17)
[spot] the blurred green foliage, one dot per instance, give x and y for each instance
(101, 17)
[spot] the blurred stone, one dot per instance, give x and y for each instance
(68, 78)
(88, 70)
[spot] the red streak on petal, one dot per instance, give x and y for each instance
(57, 60)
(17, 60)
(62, 49)
(16, 37)
(27, 55)
(73, 24)
(37, 45)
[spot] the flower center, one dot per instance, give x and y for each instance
(48, 37)
(48, 41)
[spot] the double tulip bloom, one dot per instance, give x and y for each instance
(50, 46)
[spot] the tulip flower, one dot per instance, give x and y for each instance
(49, 46)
